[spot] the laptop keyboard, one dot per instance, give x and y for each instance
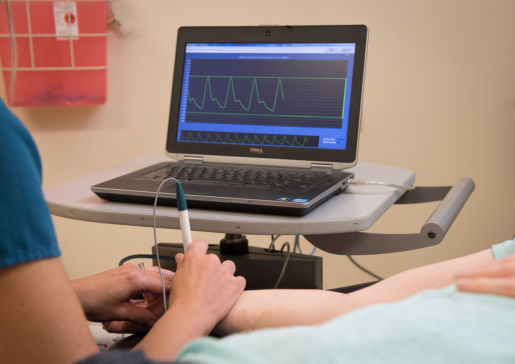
(257, 178)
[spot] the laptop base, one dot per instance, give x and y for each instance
(166, 201)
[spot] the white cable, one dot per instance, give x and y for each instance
(155, 240)
(362, 182)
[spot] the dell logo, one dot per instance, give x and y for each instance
(256, 150)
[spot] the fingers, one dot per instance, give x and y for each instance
(150, 282)
(230, 266)
(500, 268)
(242, 283)
(231, 269)
(155, 270)
(495, 286)
(138, 315)
(198, 247)
(496, 278)
(152, 274)
(124, 327)
(142, 281)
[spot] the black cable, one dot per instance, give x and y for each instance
(272, 244)
(147, 256)
(364, 269)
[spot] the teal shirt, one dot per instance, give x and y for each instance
(26, 230)
(434, 326)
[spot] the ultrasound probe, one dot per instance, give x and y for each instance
(184, 221)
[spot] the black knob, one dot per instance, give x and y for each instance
(234, 244)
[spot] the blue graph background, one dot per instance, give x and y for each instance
(277, 94)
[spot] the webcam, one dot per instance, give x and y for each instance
(267, 33)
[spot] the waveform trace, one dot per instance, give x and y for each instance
(243, 138)
(237, 100)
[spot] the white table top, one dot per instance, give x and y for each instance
(356, 209)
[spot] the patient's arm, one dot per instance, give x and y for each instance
(277, 308)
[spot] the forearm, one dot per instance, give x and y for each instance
(277, 308)
(408, 283)
(86, 295)
(81, 293)
(41, 311)
(178, 326)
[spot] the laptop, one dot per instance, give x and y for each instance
(262, 119)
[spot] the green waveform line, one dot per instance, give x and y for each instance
(273, 115)
(293, 78)
(274, 141)
(231, 85)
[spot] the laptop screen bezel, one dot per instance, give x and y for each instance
(295, 34)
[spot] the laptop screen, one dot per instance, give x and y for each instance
(267, 94)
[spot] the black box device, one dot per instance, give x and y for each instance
(260, 267)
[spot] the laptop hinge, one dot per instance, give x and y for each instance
(321, 167)
(196, 160)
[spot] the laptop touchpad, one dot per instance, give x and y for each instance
(238, 192)
(197, 189)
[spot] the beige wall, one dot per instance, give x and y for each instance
(439, 99)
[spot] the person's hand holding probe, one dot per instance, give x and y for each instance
(107, 297)
(203, 284)
(497, 278)
(203, 291)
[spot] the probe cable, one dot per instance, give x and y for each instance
(155, 240)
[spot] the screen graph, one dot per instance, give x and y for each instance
(300, 93)
(249, 138)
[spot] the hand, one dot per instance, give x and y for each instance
(107, 297)
(202, 294)
(203, 286)
(152, 302)
(496, 278)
